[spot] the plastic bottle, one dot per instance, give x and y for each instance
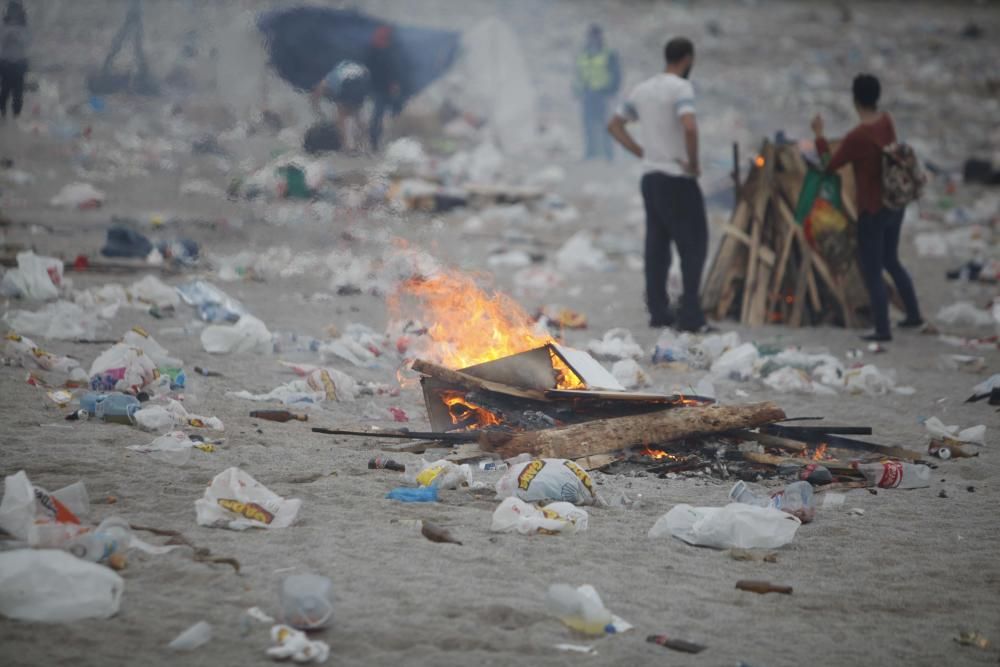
(113, 407)
(113, 535)
(895, 474)
(306, 601)
(796, 499)
(577, 611)
(382, 463)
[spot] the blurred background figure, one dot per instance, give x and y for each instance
(346, 86)
(385, 62)
(598, 78)
(106, 80)
(14, 40)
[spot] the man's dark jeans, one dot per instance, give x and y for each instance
(675, 212)
(878, 250)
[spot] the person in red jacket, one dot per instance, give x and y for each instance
(878, 226)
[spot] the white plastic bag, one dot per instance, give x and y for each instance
(139, 338)
(629, 374)
(965, 313)
(52, 586)
(442, 474)
(78, 195)
(579, 252)
(123, 368)
(153, 291)
(237, 501)
(737, 363)
(249, 334)
(974, 434)
(30, 355)
(548, 479)
(174, 447)
(39, 518)
(735, 526)
(514, 515)
(36, 277)
(617, 344)
(62, 320)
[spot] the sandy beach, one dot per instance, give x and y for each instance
(894, 585)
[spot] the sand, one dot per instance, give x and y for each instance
(893, 586)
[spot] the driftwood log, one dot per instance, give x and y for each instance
(609, 435)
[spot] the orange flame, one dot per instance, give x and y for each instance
(468, 414)
(656, 453)
(468, 325)
(759, 161)
(820, 452)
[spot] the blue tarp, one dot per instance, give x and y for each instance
(305, 43)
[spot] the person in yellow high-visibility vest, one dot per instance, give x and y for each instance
(598, 78)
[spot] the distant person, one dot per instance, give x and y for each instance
(597, 81)
(384, 63)
(675, 208)
(878, 226)
(347, 86)
(14, 41)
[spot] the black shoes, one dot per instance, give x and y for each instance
(877, 338)
(910, 324)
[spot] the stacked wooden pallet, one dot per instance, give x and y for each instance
(765, 270)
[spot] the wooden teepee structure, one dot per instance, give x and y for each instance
(766, 271)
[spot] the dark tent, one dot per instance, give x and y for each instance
(305, 43)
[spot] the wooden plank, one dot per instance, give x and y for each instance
(721, 264)
(780, 269)
(761, 199)
(765, 254)
(596, 461)
(798, 306)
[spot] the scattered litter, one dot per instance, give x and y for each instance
(174, 448)
(964, 312)
(675, 644)
(248, 335)
(306, 601)
(39, 518)
(733, 526)
(79, 196)
(61, 320)
(194, 637)
(582, 610)
(972, 638)
(423, 494)
(762, 587)
(629, 374)
(292, 643)
(616, 344)
(36, 278)
(436, 533)
(515, 515)
(53, 586)
(974, 434)
(547, 479)
(237, 501)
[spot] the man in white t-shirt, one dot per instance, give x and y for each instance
(675, 209)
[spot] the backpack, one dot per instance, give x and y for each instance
(903, 178)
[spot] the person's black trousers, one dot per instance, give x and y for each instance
(12, 84)
(878, 250)
(675, 212)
